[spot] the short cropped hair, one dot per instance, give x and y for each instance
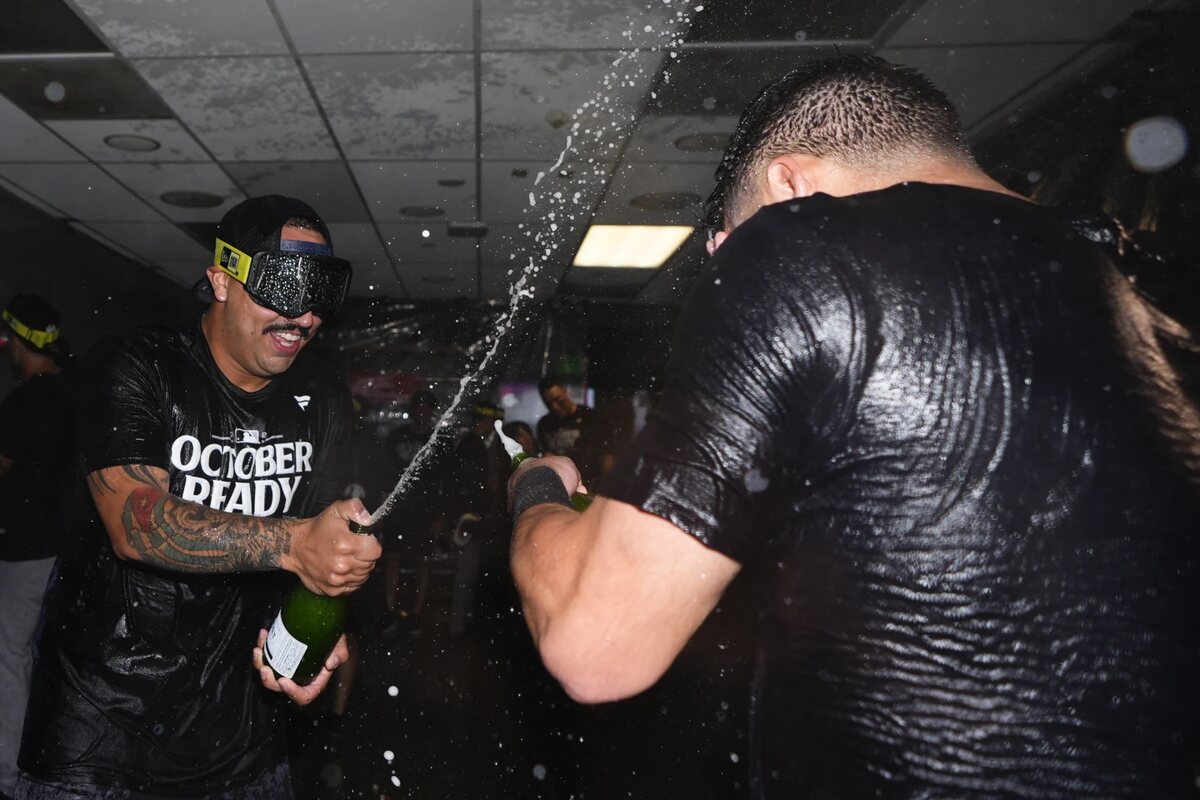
(859, 110)
(548, 382)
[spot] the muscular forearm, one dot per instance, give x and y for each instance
(546, 561)
(158, 528)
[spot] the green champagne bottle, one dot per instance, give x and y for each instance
(306, 629)
(579, 500)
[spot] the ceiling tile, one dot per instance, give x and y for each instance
(186, 27)
(359, 244)
(407, 245)
(570, 192)
(174, 143)
(535, 24)
(498, 280)
(651, 184)
(79, 88)
(950, 22)
(152, 181)
(981, 79)
(87, 229)
(45, 26)
(771, 20)
(732, 77)
(516, 246)
(441, 281)
(156, 241)
(325, 185)
(371, 26)
(392, 185)
(244, 109)
(532, 102)
(81, 191)
(398, 106)
(658, 138)
(23, 138)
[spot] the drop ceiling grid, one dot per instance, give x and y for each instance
(256, 80)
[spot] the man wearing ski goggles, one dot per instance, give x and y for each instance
(273, 281)
(300, 276)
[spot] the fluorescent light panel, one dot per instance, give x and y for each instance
(638, 246)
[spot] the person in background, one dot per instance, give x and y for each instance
(411, 545)
(39, 497)
(935, 427)
(202, 447)
(572, 429)
(521, 433)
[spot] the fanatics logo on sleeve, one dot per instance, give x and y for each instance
(302, 400)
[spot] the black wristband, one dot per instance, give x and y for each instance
(538, 485)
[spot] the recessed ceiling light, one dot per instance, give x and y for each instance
(437, 280)
(665, 201)
(187, 198)
(55, 92)
(422, 211)
(702, 142)
(638, 246)
(131, 142)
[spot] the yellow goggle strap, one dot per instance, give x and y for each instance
(232, 261)
(38, 339)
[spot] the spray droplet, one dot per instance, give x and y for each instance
(393, 691)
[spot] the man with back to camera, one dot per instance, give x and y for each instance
(936, 428)
(201, 446)
(38, 497)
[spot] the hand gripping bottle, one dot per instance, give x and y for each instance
(579, 500)
(306, 629)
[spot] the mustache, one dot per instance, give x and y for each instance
(284, 327)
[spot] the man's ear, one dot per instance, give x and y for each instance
(218, 279)
(791, 176)
(718, 239)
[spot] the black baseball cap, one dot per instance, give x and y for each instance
(255, 225)
(32, 318)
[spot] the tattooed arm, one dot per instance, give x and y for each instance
(149, 524)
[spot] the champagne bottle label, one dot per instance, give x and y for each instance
(283, 651)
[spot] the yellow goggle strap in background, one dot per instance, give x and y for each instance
(232, 261)
(38, 339)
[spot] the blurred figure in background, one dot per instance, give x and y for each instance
(523, 435)
(40, 497)
(573, 430)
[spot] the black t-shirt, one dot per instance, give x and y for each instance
(584, 437)
(144, 679)
(929, 422)
(40, 496)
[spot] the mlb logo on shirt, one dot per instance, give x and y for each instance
(244, 436)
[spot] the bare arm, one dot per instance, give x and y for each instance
(146, 523)
(612, 595)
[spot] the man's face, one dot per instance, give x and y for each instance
(558, 401)
(261, 343)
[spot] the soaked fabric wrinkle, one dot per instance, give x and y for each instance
(977, 544)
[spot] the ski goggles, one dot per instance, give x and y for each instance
(38, 339)
(297, 278)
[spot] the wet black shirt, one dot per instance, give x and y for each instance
(144, 680)
(936, 427)
(40, 495)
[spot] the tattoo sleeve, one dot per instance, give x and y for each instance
(177, 534)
